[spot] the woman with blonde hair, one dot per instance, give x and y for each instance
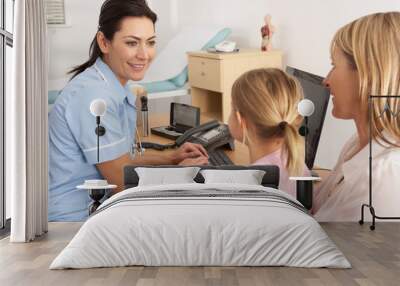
(264, 117)
(366, 61)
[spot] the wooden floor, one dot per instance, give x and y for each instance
(375, 257)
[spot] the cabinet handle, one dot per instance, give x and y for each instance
(203, 73)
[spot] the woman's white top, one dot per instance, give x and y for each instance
(340, 196)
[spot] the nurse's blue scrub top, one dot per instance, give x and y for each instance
(73, 142)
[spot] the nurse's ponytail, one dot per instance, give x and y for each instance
(94, 53)
(111, 14)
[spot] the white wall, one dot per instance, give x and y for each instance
(69, 46)
(167, 20)
(304, 31)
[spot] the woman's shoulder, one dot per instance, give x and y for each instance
(385, 163)
(86, 87)
(389, 157)
(87, 81)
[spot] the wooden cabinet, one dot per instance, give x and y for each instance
(212, 75)
(205, 73)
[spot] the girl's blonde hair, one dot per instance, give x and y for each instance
(268, 98)
(371, 45)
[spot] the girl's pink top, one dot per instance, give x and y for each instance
(285, 184)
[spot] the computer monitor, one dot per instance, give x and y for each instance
(315, 91)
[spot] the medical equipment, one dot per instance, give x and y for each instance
(225, 46)
(136, 147)
(145, 115)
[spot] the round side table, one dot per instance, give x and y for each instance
(96, 193)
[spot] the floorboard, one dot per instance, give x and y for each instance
(374, 255)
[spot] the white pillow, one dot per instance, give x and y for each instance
(163, 176)
(248, 177)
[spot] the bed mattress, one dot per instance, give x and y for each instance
(201, 225)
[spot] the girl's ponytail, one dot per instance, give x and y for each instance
(293, 149)
(268, 99)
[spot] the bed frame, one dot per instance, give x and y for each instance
(270, 179)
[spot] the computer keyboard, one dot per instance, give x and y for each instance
(218, 157)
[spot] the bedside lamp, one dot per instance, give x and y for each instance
(97, 188)
(304, 185)
(98, 108)
(305, 108)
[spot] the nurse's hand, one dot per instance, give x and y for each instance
(201, 160)
(189, 151)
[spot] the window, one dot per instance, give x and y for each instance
(9, 18)
(6, 44)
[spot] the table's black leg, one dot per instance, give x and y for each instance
(304, 193)
(96, 195)
(93, 207)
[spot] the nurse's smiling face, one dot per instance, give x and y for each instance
(131, 50)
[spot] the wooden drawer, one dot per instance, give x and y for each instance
(205, 73)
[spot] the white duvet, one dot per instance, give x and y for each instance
(183, 231)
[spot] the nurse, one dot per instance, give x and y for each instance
(122, 50)
(365, 61)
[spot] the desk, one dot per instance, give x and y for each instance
(240, 156)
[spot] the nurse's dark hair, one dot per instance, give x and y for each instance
(111, 15)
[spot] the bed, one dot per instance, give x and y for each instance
(201, 223)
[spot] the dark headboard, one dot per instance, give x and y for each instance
(270, 179)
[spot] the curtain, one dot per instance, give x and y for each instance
(26, 124)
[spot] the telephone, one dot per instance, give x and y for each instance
(211, 135)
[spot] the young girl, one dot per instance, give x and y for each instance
(264, 117)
